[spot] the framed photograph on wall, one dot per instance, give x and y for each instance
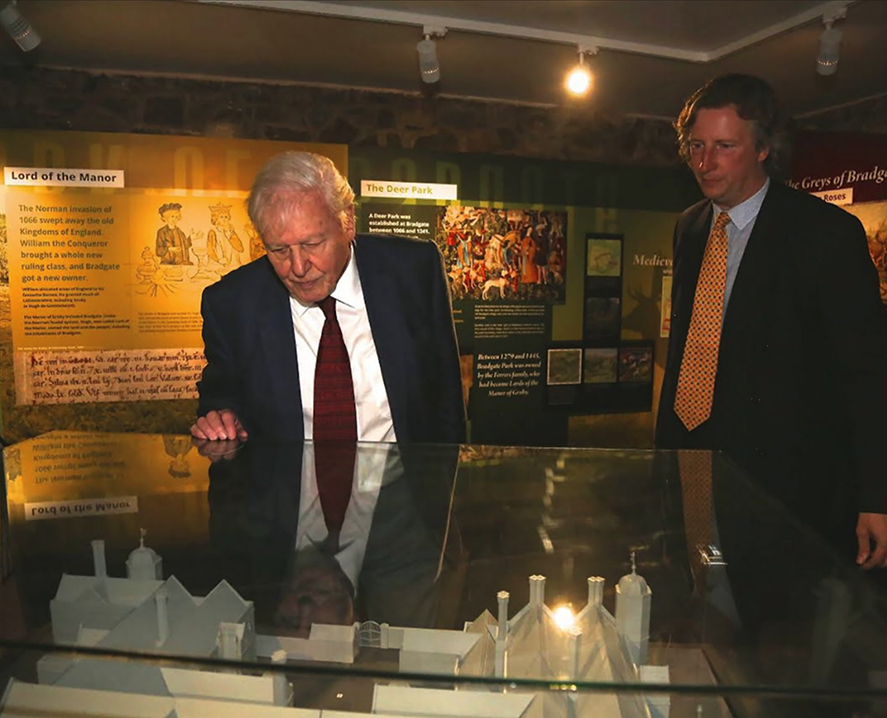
(564, 366)
(604, 264)
(636, 364)
(603, 257)
(601, 366)
(563, 385)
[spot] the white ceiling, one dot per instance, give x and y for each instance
(652, 54)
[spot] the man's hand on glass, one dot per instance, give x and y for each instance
(218, 434)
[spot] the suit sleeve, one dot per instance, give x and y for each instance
(218, 387)
(451, 409)
(856, 326)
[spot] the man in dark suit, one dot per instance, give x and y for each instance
(800, 386)
(262, 323)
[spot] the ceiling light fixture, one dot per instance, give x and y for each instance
(18, 28)
(578, 81)
(830, 44)
(429, 67)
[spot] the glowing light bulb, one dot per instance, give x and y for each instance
(564, 617)
(579, 80)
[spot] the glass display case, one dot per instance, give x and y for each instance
(144, 575)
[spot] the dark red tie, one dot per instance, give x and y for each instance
(335, 420)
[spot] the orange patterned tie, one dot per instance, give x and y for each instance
(695, 470)
(696, 381)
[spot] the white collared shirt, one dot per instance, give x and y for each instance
(373, 411)
(375, 464)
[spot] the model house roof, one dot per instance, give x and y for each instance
(193, 623)
(116, 591)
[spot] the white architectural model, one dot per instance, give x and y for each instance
(540, 643)
(633, 613)
(144, 613)
(143, 563)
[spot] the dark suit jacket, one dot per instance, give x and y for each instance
(801, 386)
(251, 349)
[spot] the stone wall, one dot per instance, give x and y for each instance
(867, 116)
(44, 99)
(38, 98)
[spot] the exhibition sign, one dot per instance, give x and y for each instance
(850, 170)
(559, 274)
(110, 241)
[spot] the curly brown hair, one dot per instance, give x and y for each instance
(753, 100)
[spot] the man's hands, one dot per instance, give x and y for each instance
(219, 426)
(218, 434)
(871, 532)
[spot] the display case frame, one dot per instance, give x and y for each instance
(775, 622)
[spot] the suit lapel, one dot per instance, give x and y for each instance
(279, 344)
(390, 333)
(756, 276)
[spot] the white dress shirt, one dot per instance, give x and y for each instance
(373, 411)
(377, 463)
(739, 229)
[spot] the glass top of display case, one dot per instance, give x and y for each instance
(453, 580)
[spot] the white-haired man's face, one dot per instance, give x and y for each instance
(308, 245)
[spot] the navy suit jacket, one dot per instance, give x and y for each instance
(251, 350)
(801, 385)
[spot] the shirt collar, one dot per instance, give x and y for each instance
(347, 291)
(746, 211)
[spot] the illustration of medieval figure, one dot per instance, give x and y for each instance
(173, 245)
(509, 243)
(496, 223)
(256, 246)
(223, 246)
(495, 257)
(556, 266)
(495, 254)
(457, 283)
(529, 268)
(479, 246)
(463, 251)
(543, 247)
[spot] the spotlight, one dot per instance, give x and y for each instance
(18, 28)
(578, 80)
(829, 50)
(429, 67)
